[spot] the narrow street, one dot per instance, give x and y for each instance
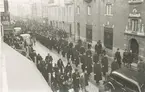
(43, 51)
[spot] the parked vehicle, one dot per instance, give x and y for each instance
(125, 80)
(27, 38)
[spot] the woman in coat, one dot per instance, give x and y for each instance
(97, 72)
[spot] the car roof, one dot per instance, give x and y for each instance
(138, 77)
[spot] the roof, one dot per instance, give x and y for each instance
(22, 74)
(139, 77)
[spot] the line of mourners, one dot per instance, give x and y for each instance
(61, 77)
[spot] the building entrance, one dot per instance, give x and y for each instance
(134, 46)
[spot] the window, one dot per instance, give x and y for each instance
(108, 9)
(78, 10)
(134, 25)
(89, 10)
(69, 11)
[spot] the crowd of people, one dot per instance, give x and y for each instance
(90, 62)
(65, 78)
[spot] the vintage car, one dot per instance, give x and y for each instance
(125, 80)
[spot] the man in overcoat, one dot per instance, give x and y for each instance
(97, 72)
(118, 57)
(76, 78)
(104, 62)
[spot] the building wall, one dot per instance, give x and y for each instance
(61, 15)
(118, 20)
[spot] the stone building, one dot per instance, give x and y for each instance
(117, 23)
(61, 15)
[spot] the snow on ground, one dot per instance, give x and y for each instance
(43, 51)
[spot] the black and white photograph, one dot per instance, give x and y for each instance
(72, 46)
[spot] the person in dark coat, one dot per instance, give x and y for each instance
(97, 72)
(114, 65)
(64, 48)
(68, 68)
(83, 61)
(38, 59)
(104, 62)
(95, 57)
(98, 47)
(76, 58)
(49, 67)
(60, 65)
(88, 65)
(47, 57)
(89, 52)
(84, 81)
(33, 55)
(82, 50)
(130, 58)
(55, 68)
(125, 54)
(118, 57)
(76, 78)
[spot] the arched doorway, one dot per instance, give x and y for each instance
(134, 46)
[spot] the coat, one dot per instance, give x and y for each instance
(76, 78)
(82, 50)
(104, 62)
(118, 56)
(49, 67)
(89, 64)
(95, 58)
(98, 48)
(125, 57)
(88, 52)
(114, 66)
(97, 72)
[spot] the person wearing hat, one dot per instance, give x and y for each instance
(118, 57)
(89, 52)
(97, 72)
(76, 78)
(114, 65)
(98, 47)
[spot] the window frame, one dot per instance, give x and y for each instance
(78, 10)
(108, 9)
(89, 10)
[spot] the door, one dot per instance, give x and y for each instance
(89, 33)
(134, 46)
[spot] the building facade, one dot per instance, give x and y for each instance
(61, 15)
(117, 23)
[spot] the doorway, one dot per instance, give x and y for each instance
(134, 46)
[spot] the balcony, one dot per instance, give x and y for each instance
(135, 1)
(68, 2)
(140, 32)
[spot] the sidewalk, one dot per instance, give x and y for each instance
(43, 51)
